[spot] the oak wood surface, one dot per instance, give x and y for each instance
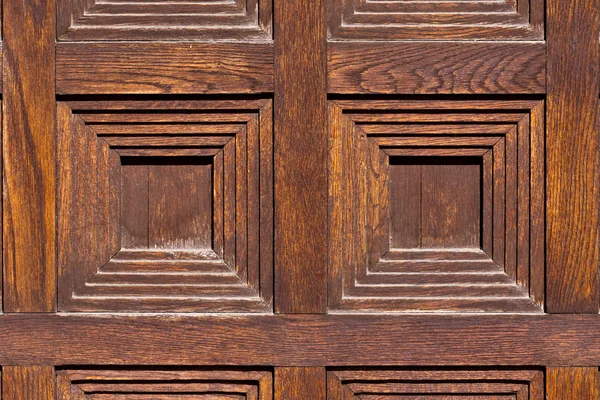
(28, 382)
(164, 68)
(572, 383)
(330, 199)
(301, 383)
(301, 340)
(436, 68)
(300, 158)
(572, 160)
(29, 156)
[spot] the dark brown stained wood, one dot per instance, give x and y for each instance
(153, 209)
(29, 157)
(572, 194)
(430, 383)
(436, 20)
(163, 68)
(180, 205)
(405, 194)
(134, 194)
(436, 68)
(301, 340)
(164, 384)
(457, 247)
(84, 20)
(300, 383)
(300, 157)
(27, 382)
(452, 187)
(579, 383)
(164, 20)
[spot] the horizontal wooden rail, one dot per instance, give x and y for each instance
(301, 340)
(436, 68)
(164, 68)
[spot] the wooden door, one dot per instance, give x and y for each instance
(286, 199)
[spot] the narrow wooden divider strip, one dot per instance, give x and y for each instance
(300, 157)
(30, 382)
(572, 156)
(572, 383)
(29, 152)
(299, 383)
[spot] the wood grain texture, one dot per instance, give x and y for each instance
(29, 147)
(572, 160)
(300, 383)
(163, 20)
(300, 157)
(430, 383)
(153, 206)
(164, 68)
(572, 383)
(27, 382)
(436, 68)
(301, 340)
(164, 384)
(436, 20)
(454, 245)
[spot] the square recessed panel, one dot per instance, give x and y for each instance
(436, 206)
(163, 383)
(436, 202)
(166, 203)
(164, 20)
(435, 383)
(436, 20)
(165, 206)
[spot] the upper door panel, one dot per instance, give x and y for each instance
(436, 20)
(164, 20)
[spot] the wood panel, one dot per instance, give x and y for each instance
(27, 382)
(29, 147)
(181, 204)
(436, 202)
(572, 159)
(429, 383)
(164, 384)
(436, 20)
(436, 68)
(164, 68)
(163, 20)
(300, 383)
(451, 198)
(153, 206)
(469, 256)
(301, 340)
(572, 383)
(300, 157)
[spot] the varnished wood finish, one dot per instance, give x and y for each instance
(164, 384)
(436, 68)
(396, 250)
(157, 195)
(302, 340)
(436, 20)
(29, 157)
(444, 383)
(572, 383)
(300, 383)
(162, 20)
(27, 382)
(285, 199)
(163, 68)
(300, 157)
(573, 159)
